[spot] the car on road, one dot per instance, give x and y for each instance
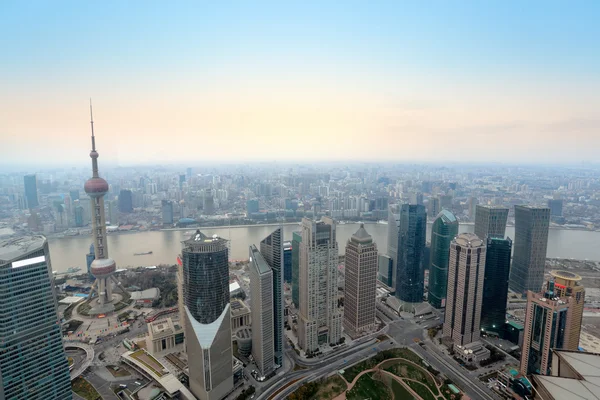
(122, 386)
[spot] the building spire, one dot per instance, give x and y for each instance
(93, 153)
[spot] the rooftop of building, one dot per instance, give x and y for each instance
(17, 247)
(238, 307)
(148, 294)
(468, 240)
(447, 216)
(362, 236)
(493, 206)
(287, 246)
(567, 275)
(164, 326)
(244, 333)
(532, 207)
(200, 242)
(258, 261)
(586, 384)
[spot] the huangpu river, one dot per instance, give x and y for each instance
(166, 245)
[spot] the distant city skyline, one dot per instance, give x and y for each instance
(241, 83)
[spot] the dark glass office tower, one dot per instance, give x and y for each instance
(30, 182)
(495, 284)
(411, 244)
(125, 201)
(490, 221)
(296, 240)
(287, 262)
(208, 321)
(33, 364)
(271, 249)
(531, 242)
(445, 228)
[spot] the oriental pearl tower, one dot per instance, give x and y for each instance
(103, 267)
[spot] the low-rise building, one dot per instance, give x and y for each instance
(240, 314)
(164, 337)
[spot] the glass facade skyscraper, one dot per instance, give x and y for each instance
(495, 284)
(287, 262)
(411, 245)
(207, 315)
(444, 230)
(33, 364)
(296, 240)
(531, 243)
(490, 221)
(271, 249)
(31, 196)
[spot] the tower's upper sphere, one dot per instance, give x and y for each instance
(93, 154)
(103, 267)
(96, 187)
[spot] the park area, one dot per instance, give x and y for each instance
(85, 390)
(397, 374)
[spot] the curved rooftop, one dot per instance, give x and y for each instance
(361, 235)
(565, 275)
(468, 240)
(447, 216)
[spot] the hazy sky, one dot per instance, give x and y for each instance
(175, 82)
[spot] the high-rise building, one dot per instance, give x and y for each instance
(443, 231)
(79, 212)
(103, 267)
(472, 207)
(125, 201)
(549, 324)
(392, 234)
(167, 212)
(271, 249)
(319, 319)
(296, 240)
(465, 289)
(566, 284)
(287, 262)
(89, 259)
(416, 198)
(33, 364)
(262, 312)
(361, 283)
(31, 191)
(74, 194)
(495, 284)
(113, 213)
(385, 269)
(434, 206)
(490, 221)
(205, 262)
(531, 242)
(556, 207)
(410, 274)
(251, 207)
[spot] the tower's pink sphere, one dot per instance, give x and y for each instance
(103, 267)
(96, 187)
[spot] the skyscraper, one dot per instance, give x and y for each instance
(556, 207)
(89, 259)
(251, 207)
(262, 312)
(531, 242)
(566, 284)
(443, 231)
(319, 319)
(495, 284)
(490, 221)
(411, 245)
(125, 201)
(392, 249)
(207, 315)
(287, 262)
(33, 364)
(296, 240)
(167, 212)
(31, 194)
(103, 267)
(434, 206)
(465, 289)
(550, 323)
(361, 283)
(271, 248)
(472, 207)
(385, 272)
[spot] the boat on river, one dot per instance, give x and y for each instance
(142, 254)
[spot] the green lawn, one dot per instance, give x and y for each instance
(368, 388)
(330, 388)
(407, 370)
(84, 389)
(400, 392)
(351, 372)
(421, 390)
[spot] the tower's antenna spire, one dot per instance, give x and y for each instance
(92, 123)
